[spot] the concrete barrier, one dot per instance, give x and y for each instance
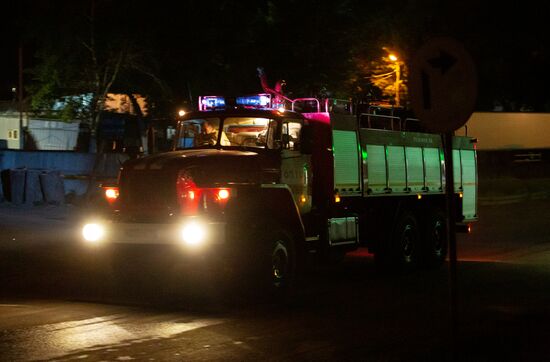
(33, 190)
(31, 187)
(2, 198)
(16, 179)
(74, 168)
(69, 163)
(52, 187)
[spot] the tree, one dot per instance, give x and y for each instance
(380, 78)
(91, 50)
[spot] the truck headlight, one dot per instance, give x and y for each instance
(193, 233)
(93, 232)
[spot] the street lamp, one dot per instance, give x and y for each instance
(395, 59)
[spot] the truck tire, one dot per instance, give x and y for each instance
(434, 240)
(283, 261)
(405, 242)
(277, 269)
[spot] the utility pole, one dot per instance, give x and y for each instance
(395, 59)
(20, 98)
(397, 81)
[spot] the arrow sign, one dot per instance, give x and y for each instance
(443, 85)
(443, 88)
(445, 61)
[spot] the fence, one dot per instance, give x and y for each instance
(72, 167)
(54, 135)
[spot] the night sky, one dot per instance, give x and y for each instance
(196, 47)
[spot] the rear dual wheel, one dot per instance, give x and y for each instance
(405, 242)
(416, 242)
(435, 243)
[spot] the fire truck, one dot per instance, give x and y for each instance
(267, 182)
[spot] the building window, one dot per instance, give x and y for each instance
(13, 134)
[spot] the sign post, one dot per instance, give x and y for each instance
(443, 86)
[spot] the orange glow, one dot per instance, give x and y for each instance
(111, 193)
(460, 195)
(393, 57)
(419, 196)
(303, 199)
(337, 198)
(223, 194)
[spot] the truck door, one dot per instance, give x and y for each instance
(295, 166)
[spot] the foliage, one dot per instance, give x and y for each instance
(172, 52)
(375, 79)
(87, 53)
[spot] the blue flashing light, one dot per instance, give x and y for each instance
(211, 103)
(255, 101)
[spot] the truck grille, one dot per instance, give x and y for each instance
(147, 195)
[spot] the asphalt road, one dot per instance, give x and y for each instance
(60, 300)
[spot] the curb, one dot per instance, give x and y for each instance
(504, 200)
(43, 211)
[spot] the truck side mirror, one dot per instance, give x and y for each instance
(306, 139)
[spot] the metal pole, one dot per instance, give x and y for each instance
(397, 79)
(20, 98)
(451, 237)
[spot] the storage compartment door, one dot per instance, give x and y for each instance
(415, 169)
(376, 169)
(346, 162)
(432, 163)
(469, 184)
(397, 180)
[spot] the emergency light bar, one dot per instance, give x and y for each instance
(210, 103)
(262, 100)
(257, 101)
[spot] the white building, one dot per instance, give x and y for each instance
(10, 136)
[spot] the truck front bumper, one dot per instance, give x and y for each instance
(188, 232)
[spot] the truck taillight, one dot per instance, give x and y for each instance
(193, 199)
(111, 193)
(188, 194)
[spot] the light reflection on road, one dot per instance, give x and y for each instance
(110, 331)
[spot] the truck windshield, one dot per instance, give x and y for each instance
(230, 131)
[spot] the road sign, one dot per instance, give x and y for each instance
(443, 85)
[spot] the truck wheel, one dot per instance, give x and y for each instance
(263, 263)
(280, 263)
(435, 243)
(405, 242)
(278, 267)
